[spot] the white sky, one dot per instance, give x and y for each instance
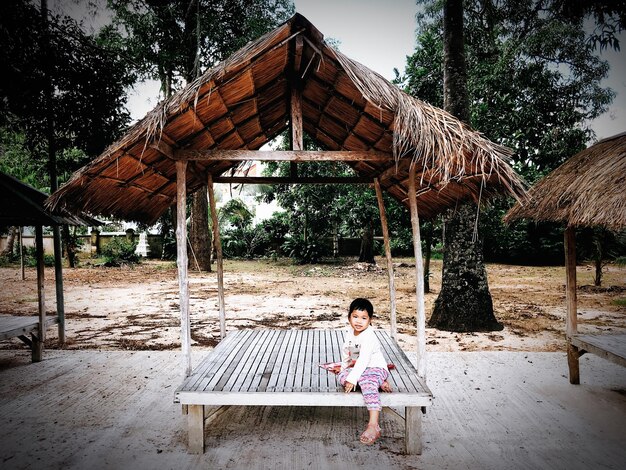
(380, 34)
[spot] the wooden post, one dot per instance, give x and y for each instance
(181, 262)
(195, 424)
(58, 282)
(571, 319)
(39, 341)
(297, 136)
(21, 239)
(413, 430)
(220, 260)
(419, 277)
(392, 287)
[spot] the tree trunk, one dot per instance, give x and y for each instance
(464, 302)
(8, 250)
(70, 247)
(366, 254)
(199, 235)
(428, 239)
(599, 240)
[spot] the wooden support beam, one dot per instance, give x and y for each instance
(288, 180)
(283, 155)
(163, 148)
(394, 170)
(58, 282)
(297, 56)
(39, 341)
(413, 430)
(22, 266)
(181, 262)
(220, 262)
(297, 134)
(392, 286)
(419, 278)
(195, 421)
(571, 319)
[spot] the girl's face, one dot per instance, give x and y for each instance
(359, 321)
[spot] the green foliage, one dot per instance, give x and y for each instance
(243, 242)
(401, 243)
(30, 258)
(15, 159)
(87, 84)
(119, 251)
(305, 251)
(235, 214)
(173, 41)
(534, 84)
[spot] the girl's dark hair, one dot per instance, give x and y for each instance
(361, 304)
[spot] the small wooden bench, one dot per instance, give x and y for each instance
(22, 327)
(282, 368)
(609, 346)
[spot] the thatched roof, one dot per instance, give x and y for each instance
(588, 189)
(23, 205)
(244, 103)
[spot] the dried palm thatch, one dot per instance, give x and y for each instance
(21, 204)
(586, 190)
(244, 102)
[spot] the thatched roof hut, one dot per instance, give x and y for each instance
(23, 205)
(586, 190)
(247, 100)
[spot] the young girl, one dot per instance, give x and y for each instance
(370, 369)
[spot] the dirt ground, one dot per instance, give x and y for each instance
(137, 307)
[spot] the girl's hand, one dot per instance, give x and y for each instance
(348, 387)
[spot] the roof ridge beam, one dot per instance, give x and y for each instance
(282, 155)
(289, 180)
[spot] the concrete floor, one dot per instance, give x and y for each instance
(492, 410)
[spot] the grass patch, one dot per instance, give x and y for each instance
(620, 302)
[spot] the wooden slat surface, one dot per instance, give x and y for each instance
(252, 365)
(611, 346)
(12, 326)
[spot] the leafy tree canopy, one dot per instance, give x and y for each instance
(174, 40)
(533, 78)
(87, 83)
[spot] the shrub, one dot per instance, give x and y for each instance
(119, 251)
(30, 258)
(304, 251)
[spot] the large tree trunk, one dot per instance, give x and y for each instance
(8, 250)
(366, 254)
(199, 235)
(464, 302)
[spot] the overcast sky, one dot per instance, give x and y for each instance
(381, 33)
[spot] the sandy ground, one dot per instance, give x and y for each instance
(134, 308)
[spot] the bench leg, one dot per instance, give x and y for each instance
(573, 364)
(195, 421)
(36, 348)
(413, 430)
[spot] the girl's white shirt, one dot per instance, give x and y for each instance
(365, 349)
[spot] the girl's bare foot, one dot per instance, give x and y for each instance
(371, 433)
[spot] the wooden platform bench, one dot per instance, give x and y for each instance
(282, 368)
(26, 329)
(611, 347)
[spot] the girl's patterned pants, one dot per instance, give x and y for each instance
(370, 381)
